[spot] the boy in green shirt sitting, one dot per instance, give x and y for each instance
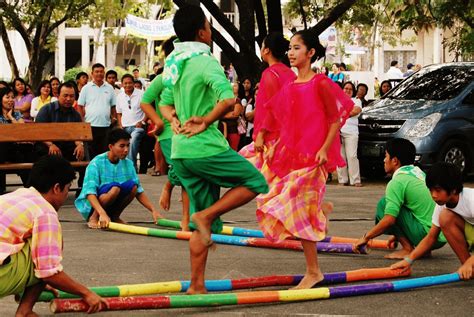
(407, 208)
(201, 155)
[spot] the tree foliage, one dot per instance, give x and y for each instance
(36, 22)
(391, 17)
(455, 15)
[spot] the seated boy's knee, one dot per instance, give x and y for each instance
(115, 190)
(446, 218)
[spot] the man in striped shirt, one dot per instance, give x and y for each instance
(31, 238)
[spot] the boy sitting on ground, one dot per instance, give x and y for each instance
(453, 215)
(110, 184)
(407, 208)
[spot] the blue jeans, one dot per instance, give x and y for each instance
(137, 136)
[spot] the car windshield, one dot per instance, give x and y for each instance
(442, 83)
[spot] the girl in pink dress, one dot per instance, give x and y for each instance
(307, 114)
(273, 79)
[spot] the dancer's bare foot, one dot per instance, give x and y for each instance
(400, 254)
(185, 225)
(28, 314)
(204, 228)
(327, 208)
(165, 197)
(196, 290)
(309, 281)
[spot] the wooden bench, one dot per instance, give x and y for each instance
(41, 132)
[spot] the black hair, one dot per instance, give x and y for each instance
(339, 84)
(4, 83)
(53, 79)
(402, 149)
(49, 171)
(187, 22)
(394, 63)
(13, 85)
(116, 135)
(354, 91)
(277, 44)
(5, 91)
(80, 74)
(41, 85)
(311, 40)
(343, 65)
(381, 84)
(363, 85)
(97, 65)
(168, 45)
(446, 176)
(135, 70)
(128, 76)
(69, 84)
(136, 81)
(111, 72)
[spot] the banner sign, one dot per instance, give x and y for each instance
(149, 29)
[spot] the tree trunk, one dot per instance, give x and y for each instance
(9, 50)
(246, 61)
(275, 21)
(261, 23)
(332, 17)
(303, 14)
(97, 38)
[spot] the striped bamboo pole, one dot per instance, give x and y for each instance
(231, 285)
(252, 233)
(257, 297)
(235, 240)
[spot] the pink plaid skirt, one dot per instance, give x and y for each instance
(292, 208)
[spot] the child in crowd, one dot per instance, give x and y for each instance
(201, 155)
(407, 208)
(453, 216)
(110, 184)
(307, 114)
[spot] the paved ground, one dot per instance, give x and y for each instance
(99, 258)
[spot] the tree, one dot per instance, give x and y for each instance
(36, 22)
(246, 61)
(457, 16)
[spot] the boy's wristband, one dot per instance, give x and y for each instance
(408, 260)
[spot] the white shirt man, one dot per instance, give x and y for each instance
(130, 115)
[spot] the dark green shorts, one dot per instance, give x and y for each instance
(406, 226)
(203, 177)
(166, 149)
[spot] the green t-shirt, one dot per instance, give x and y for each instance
(200, 86)
(152, 93)
(412, 193)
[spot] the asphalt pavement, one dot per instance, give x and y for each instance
(100, 258)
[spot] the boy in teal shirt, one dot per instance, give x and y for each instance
(407, 208)
(201, 155)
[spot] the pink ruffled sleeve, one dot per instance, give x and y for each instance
(264, 119)
(337, 105)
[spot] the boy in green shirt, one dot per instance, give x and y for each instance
(201, 155)
(153, 93)
(407, 208)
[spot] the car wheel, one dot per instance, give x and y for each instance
(456, 152)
